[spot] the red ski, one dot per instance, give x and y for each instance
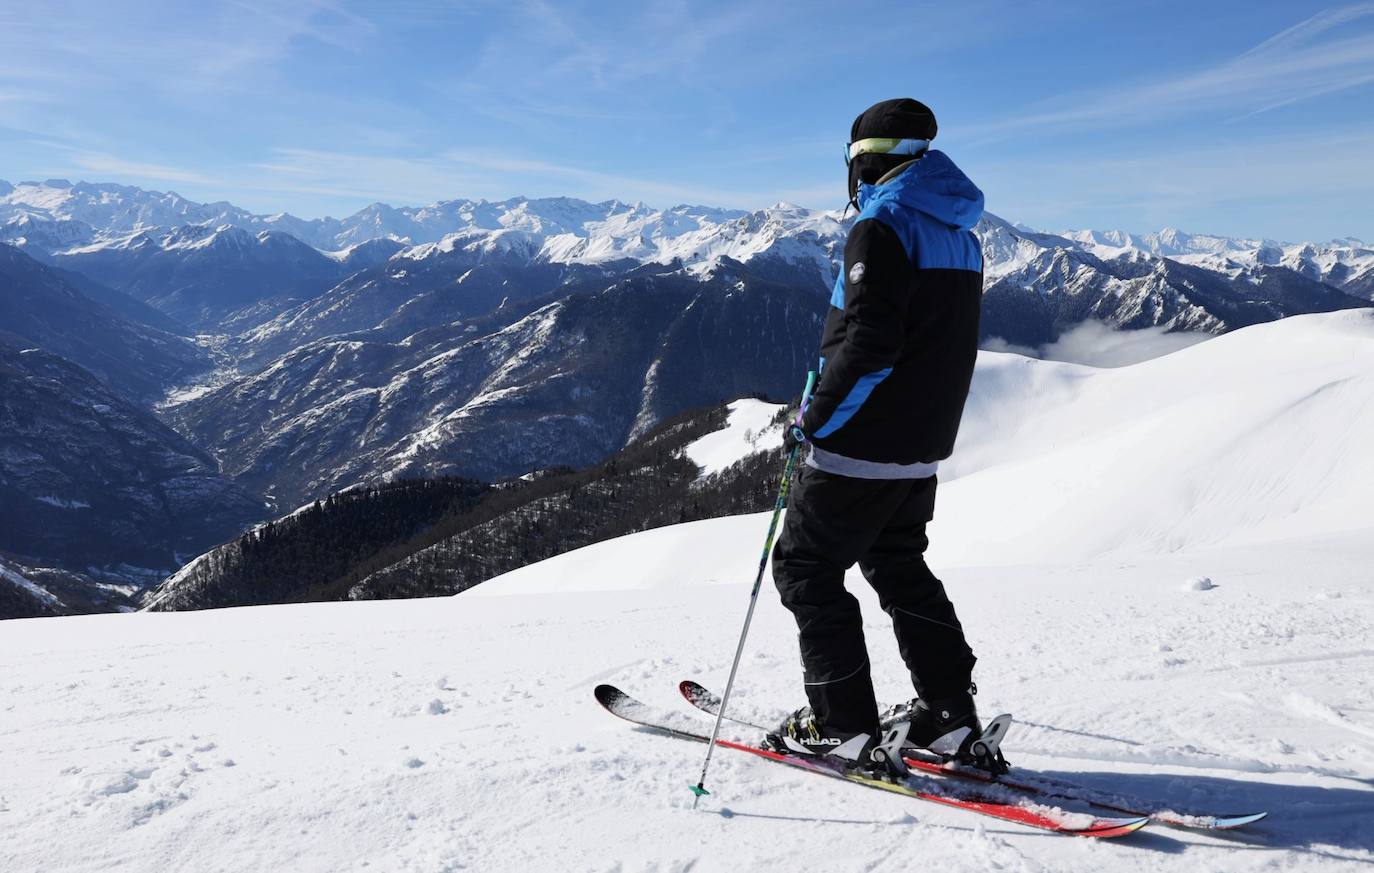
(1031, 784)
(1019, 810)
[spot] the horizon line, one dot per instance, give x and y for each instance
(67, 183)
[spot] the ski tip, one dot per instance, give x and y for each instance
(1227, 822)
(608, 695)
(1106, 828)
(693, 691)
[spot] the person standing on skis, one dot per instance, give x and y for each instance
(897, 355)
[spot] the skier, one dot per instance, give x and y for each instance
(897, 357)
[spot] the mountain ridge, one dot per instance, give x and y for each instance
(574, 230)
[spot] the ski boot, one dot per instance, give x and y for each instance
(801, 733)
(949, 727)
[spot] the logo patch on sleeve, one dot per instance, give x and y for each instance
(856, 273)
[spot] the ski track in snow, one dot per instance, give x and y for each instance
(461, 734)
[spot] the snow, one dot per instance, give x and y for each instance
(434, 735)
(178, 396)
(1255, 436)
(1233, 256)
(63, 503)
(747, 431)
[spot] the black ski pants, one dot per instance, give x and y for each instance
(832, 523)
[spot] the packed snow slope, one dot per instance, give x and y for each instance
(1073, 526)
(748, 429)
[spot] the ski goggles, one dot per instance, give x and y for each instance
(883, 146)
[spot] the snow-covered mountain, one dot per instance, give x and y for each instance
(531, 384)
(1038, 286)
(201, 274)
(1048, 283)
(428, 292)
(103, 209)
(1347, 264)
(55, 215)
(182, 740)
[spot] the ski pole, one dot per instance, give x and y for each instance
(700, 788)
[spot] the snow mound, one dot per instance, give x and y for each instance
(1199, 583)
(1257, 435)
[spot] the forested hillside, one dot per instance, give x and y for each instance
(419, 538)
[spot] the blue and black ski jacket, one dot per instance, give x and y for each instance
(901, 335)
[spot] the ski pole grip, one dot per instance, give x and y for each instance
(796, 428)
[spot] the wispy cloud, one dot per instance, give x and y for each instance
(101, 166)
(555, 61)
(1321, 55)
(166, 47)
(1308, 30)
(109, 166)
(345, 175)
(601, 185)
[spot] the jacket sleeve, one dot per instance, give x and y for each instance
(877, 279)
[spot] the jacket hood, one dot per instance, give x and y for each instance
(933, 185)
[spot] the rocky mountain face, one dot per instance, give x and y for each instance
(40, 307)
(527, 386)
(1039, 285)
(1344, 264)
(422, 291)
(90, 480)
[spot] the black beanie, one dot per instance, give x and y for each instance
(902, 118)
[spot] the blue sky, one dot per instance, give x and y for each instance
(1245, 118)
